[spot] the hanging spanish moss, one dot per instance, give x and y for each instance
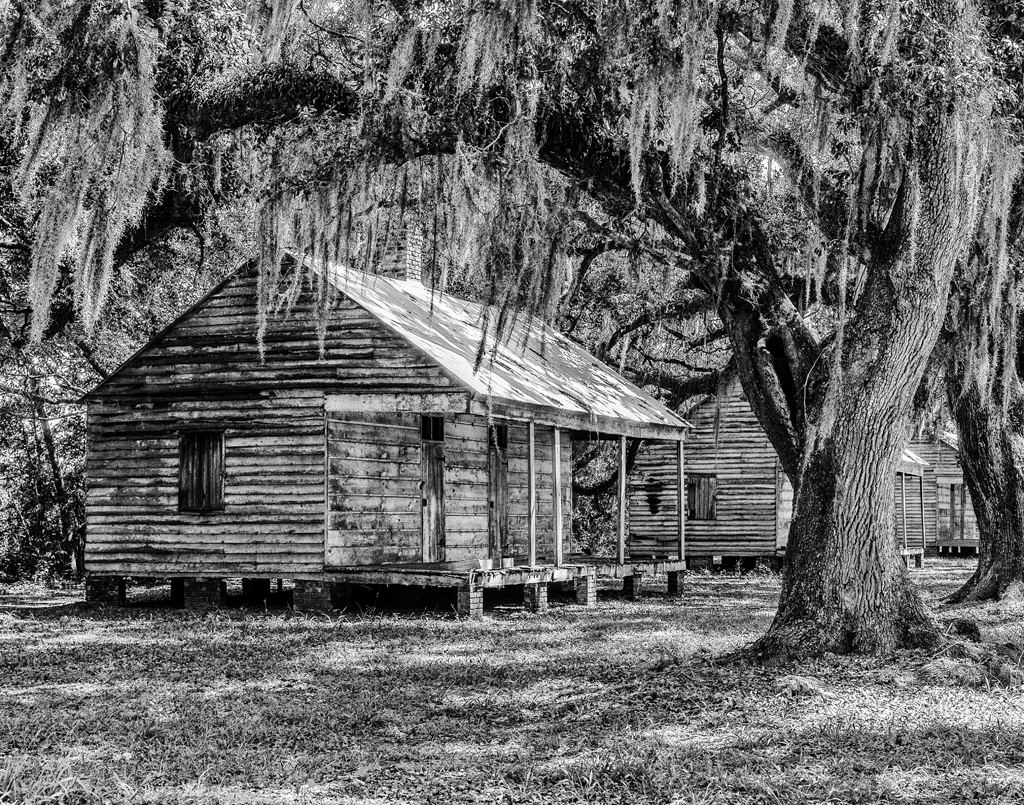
(667, 90)
(94, 153)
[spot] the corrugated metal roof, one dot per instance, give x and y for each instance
(534, 365)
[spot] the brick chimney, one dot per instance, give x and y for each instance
(398, 252)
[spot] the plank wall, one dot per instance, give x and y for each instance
(743, 460)
(207, 371)
(272, 522)
(373, 486)
(942, 470)
(466, 511)
(214, 351)
(374, 489)
(915, 525)
(653, 500)
(518, 493)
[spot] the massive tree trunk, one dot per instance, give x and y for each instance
(982, 366)
(845, 587)
(992, 454)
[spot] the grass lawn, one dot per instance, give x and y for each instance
(613, 704)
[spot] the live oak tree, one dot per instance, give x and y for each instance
(982, 352)
(813, 171)
(88, 177)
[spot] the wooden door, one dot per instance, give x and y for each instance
(497, 490)
(432, 485)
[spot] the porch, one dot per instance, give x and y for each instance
(580, 572)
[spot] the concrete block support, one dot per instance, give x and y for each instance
(203, 593)
(675, 584)
(470, 602)
(632, 586)
(586, 591)
(255, 591)
(535, 597)
(109, 590)
(312, 596)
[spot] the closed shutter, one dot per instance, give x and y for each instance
(201, 471)
(702, 497)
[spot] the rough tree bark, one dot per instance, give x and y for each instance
(982, 357)
(992, 454)
(845, 588)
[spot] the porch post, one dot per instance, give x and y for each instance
(680, 502)
(556, 478)
(621, 555)
(924, 529)
(531, 486)
(903, 496)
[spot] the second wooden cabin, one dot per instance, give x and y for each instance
(739, 500)
(950, 523)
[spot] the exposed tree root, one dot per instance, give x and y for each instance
(975, 665)
(947, 660)
(807, 638)
(988, 584)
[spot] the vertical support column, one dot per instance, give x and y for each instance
(620, 554)
(470, 602)
(903, 494)
(924, 528)
(109, 590)
(963, 523)
(675, 584)
(535, 597)
(310, 596)
(632, 586)
(178, 593)
(680, 504)
(531, 486)
(586, 589)
(203, 593)
(556, 479)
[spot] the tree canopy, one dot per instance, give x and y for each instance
(802, 180)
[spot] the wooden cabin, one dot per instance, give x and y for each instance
(950, 524)
(739, 501)
(373, 448)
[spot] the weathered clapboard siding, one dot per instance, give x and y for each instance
(375, 512)
(207, 371)
(943, 473)
(910, 515)
(272, 519)
(214, 351)
(653, 500)
(466, 513)
(744, 462)
(518, 482)
(323, 457)
(373, 489)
